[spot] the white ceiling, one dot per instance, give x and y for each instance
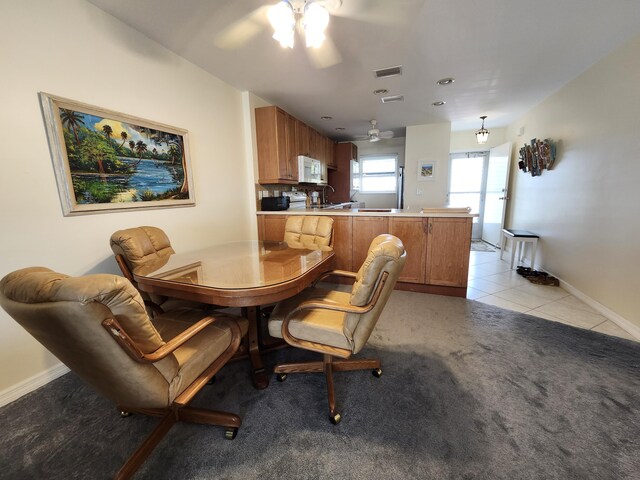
(505, 55)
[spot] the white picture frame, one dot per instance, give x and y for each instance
(426, 170)
(160, 148)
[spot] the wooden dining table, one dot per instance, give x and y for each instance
(246, 274)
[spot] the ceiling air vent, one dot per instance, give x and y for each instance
(388, 72)
(392, 98)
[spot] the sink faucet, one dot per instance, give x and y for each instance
(324, 199)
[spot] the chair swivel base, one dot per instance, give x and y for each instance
(170, 416)
(328, 365)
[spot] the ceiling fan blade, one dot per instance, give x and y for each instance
(326, 56)
(239, 33)
(374, 138)
(386, 134)
(381, 12)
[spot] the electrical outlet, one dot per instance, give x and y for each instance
(259, 194)
(276, 193)
(265, 193)
(418, 192)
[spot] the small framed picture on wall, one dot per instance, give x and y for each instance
(426, 170)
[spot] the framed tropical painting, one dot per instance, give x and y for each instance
(107, 161)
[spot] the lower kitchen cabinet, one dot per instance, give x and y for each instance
(412, 232)
(342, 234)
(448, 247)
(271, 227)
(437, 247)
(365, 229)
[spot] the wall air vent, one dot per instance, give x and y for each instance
(392, 98)
(388, 72)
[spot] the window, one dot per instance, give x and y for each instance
(378, 174)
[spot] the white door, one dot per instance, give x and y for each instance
(496, 193)
(466, 185)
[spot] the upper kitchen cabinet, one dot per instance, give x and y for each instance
(340, 176)
(277, 146)
(330, 153)
(302, 139)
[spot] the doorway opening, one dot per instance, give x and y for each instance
(467, 185)
(479, 180)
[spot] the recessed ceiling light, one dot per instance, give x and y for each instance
(446, 81)
(340, 129)
(326, 117)
(438, 103)
(381, 91)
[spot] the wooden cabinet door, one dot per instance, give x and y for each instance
(365, 229)
(302, 138)
(291, 157)
(448, 247)
(331, 155)
(412, 232)
(271, 227)
(342, 234)
(281, 145)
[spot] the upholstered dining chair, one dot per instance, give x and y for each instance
(138, 246)
(97, 325)
(314, 232)
(337, 323)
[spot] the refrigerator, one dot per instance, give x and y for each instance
(400, 188)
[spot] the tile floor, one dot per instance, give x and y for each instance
(493, 282)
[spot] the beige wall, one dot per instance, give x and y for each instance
(72, 49)
(390, 146)
(587, 209)
(427, 143)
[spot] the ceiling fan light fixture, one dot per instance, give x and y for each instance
(482, 135)
(315, 21)
(283, 20)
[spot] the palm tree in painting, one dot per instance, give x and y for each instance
(108, 131)
(173, 152)
(141, 147)
(132, 146)
(73, 120)
(123, 136)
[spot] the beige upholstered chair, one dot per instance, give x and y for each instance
(337, 323)
(97, 326)
(137, 247)
(309, 231)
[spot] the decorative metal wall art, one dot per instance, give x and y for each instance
(537, 156)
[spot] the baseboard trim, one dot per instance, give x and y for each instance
(30, 384)
(619, 320)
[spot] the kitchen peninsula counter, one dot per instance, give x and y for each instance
(437, 241)
(375, 212)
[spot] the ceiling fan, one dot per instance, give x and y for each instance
(322, 54)
(374, 134)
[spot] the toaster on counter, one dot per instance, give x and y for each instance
(269, 204)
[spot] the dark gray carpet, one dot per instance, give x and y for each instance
(468, 391)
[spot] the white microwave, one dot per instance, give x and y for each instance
(309, 170)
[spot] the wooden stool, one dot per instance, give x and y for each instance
(518, 239)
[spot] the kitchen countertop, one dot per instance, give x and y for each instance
(373, 212)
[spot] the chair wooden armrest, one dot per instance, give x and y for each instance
(336, 273)
(315, 304)
(130, 346)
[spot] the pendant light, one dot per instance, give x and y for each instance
(482, 135)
